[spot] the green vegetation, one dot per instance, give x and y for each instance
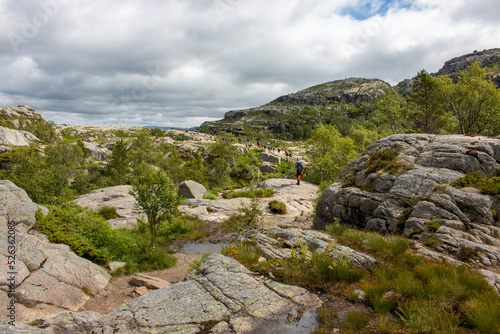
(107, 212)
(157, 196)
(249, 217)
(386, 161)
(330, 154)
(277, 207)
(488, 186)
(404, 292)
(252, 193)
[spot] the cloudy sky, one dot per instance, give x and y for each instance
(182, 62)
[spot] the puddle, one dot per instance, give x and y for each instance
(296, 321)
(198, 247)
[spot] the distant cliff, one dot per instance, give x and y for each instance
(300, 108)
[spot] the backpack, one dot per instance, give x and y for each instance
(299, 166)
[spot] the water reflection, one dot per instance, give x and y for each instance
(297, 321)
(198, 247)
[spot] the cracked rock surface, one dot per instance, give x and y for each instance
(48, 277)
(421, 202)
(278, 243)
(221, 295)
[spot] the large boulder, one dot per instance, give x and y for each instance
(192, 189)
(221, 292)
(269, 157)
(418, 198)
(97, 152)
(118, 197)
(267, 168)
(47, 278)
(15, 205)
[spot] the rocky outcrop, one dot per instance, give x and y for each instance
(486, 58)
(269, 157)
(279, 243)
(267, 168)
(192, 189)
(15, 205)
(419, 200)
(118, 197)
(15, 137)
(97, 152)
(149, 282)
(46, 277)
(220, 294)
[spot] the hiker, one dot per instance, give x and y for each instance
(299, 167)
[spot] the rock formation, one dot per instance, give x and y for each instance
(118, 197)
(48, 278)
(411, 192)
(298, 108)
(220, 294)
(191, 189)
(15, 137)
(278, 243)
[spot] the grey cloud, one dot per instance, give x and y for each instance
(182, 62)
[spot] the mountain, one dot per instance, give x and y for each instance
(300, 108)
(489, 59)
(312, 104)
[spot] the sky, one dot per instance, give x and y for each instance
(178, 63)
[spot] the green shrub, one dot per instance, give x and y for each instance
(89, 235)
(247, 218)
(386, 161)
(356, 320)
(429, 317)
(252, 193)
(484, 312)
(108, 212)
(469, 180)
(329, 270)
(277, 207)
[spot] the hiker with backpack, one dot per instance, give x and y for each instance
(299, 167)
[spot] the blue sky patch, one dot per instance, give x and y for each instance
(366, 8)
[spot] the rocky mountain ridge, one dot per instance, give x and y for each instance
(302, 107)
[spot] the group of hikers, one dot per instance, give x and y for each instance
(299, 165)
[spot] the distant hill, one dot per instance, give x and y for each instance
(489, 59)
(300, 108)
(307, 106)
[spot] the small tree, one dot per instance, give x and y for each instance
(330, 154)
(118, 168)
(429, 116)
(157, 196)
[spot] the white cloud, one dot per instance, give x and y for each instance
(182, 62)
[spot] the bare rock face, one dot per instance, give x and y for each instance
(15, 137)
(420, 201)
(293, 238)
(46, 277)
(269, 157)
(267, 168)
(221, 291)
(16, 205)
(117, 197)
(97, 152)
